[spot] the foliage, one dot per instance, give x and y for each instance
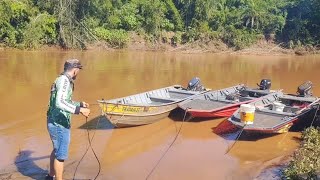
(239, 38)
(24, 26)
(41, 30)
(177, 38)
(306, 161)
(73, 24)
(14, 17)
(116, 38)
(303, 22)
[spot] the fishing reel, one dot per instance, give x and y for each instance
(195, 85)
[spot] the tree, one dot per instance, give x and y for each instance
(303, 22)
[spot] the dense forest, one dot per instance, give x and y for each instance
(237, 23)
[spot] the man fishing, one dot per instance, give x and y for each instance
(59, 116)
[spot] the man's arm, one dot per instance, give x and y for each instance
(81, 104)
(62, 102)
(76, 103)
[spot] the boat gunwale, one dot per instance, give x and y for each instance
(230, 105)
(217, 109)
(150, 105)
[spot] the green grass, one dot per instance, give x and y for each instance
(306, 160)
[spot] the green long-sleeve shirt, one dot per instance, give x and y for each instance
(60, 104)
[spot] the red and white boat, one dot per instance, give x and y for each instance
(224, 102)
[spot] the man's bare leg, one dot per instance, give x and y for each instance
(52, 157)
(58, 168)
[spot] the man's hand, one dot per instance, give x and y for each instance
(85, 112)
(86, 105)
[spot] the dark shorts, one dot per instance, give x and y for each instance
(60, 137)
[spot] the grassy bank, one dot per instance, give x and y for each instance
(306, 160)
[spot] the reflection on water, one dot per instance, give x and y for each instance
(131, 153)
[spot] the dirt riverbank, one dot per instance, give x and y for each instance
(138, 43)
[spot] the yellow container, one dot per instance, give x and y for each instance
(247, 113)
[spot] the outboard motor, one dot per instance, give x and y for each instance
(265, 84)
(305, 89)
(195, 85)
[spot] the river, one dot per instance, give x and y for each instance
(132, 153)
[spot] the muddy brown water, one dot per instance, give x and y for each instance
(131, 153)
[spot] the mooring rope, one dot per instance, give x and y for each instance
(238, 136)
(90, 146)
(315, 115)
(175, 138)
(111, 111)
(95, 155)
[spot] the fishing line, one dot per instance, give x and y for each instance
(236, 139)
(90, 146)
(175, 138)
(96, 104)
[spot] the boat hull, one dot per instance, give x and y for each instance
(120, 121)
(145, 108)
(215, 103)
(127, 116)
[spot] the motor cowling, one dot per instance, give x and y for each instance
(265, 84)
(195, 85)
(305, 89)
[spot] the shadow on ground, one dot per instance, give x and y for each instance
(99, 122)
(26, 165)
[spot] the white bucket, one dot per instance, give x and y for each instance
(277, 106)
(247, 113)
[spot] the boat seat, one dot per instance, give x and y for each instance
(256, 91)
(246, 98)
(277, 112)
(290, 109)
(183, 92)
(160, 99)
(227, 101)
(224, 100)
(297, 98)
